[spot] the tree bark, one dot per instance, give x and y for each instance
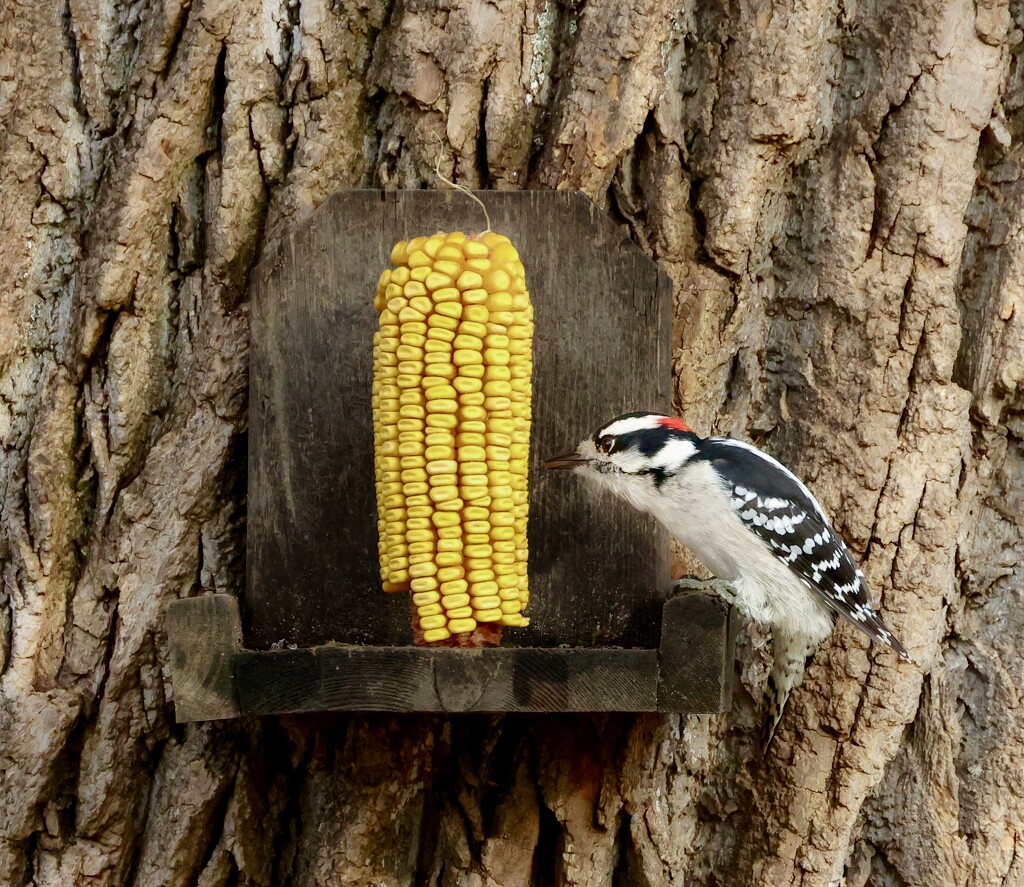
(835, 189)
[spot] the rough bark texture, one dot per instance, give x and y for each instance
(836, 189)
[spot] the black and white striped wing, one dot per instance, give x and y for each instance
(781, 511)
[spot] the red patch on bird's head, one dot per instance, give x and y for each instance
(677, 424)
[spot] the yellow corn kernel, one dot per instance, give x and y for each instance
(442, 466)
(422, 598)
(441, 495)
(425, 569)
(454, 586)
(493, 615)
(453, 505)
(442, 405)
(476, 249)
(439, 419)
(438, 334)
(437, 453)
(445, 295)
(466, 385)
(450, 573)
(424, 557)
(431, 622)
(462, 341)
(440, 370)
(469, 280)
(448, 267)
(441, 321)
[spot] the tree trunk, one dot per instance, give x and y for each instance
(838, 193)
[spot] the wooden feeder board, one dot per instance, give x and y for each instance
(314, 631)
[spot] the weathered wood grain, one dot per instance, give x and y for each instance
(696, 654)
(598, 570)
(214, 678)
(204, 633)
(406, 679)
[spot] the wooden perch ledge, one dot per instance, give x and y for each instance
(214, 677)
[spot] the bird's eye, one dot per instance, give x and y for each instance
(605, 444)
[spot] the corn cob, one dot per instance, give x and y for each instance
(452, 361)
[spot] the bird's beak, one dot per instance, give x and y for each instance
(569, 460)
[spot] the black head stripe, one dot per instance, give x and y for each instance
(647, 441)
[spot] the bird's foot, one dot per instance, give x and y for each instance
(721, 588)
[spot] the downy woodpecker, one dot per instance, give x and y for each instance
(751, 522)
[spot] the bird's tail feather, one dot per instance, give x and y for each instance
(873, 626)
(790, 654)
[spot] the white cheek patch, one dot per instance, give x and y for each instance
(631, 461)
(675, 454)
